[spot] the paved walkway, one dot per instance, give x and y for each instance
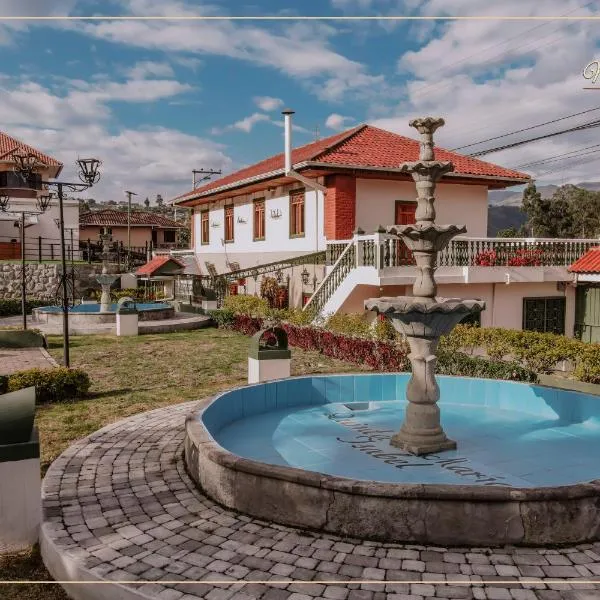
(119, 506)
(19, 359)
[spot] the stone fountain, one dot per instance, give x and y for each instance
(105, 280)
(424, 317)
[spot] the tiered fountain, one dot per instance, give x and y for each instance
(104, 279)
(365, 455)
(423, 317)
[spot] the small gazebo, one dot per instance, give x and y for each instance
(159, 275)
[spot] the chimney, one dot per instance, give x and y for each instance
(287, 116)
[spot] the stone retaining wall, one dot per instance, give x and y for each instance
(43, 279)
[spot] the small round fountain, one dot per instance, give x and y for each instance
(105, 280)
(366, 455)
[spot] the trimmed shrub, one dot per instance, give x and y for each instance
(52, 385)
(246, 305)
(458, 363)
(12, 307)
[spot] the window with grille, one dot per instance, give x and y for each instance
(229, 223)
(546, 315)
(204, 228)
(169, 236)
(259, 219)
(297, 213)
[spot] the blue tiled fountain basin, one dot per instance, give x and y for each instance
(508, 434)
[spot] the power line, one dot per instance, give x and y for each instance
(497, 137)
(444, 68)
(555, 157)
(590, 125)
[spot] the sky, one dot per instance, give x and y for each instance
(154, 99)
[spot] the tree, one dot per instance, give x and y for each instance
(159, 201)
(533, 206)
(509, 232)
(147, 202)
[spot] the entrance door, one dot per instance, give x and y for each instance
(154, 238)
(404, 215)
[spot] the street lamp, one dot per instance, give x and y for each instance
(129, 194)
(42, 203)
(26, 164)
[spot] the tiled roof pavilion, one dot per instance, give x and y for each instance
(363, 147)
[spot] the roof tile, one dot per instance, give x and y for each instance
(363, 146)
(156, 263)
(588, 263)
(9, 144)
(117, 218)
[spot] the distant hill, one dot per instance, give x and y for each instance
(504, 206)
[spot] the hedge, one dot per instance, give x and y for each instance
(12, 307)
(380, 355)
(51, 385)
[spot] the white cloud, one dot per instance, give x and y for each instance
(301, 51)
(78, 121)
(246, 124)
(145, 69)
(268, 103)
(487, 78)
(337, 122)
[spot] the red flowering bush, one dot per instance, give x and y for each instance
(488, 258)
(526, 258)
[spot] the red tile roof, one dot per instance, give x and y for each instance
(9, 144)
(363, 147)
(118, 218)
(155, 264)
(588, 263)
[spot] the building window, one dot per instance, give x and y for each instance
(169, 236)
(259, 219)
(229, 223)
(297, 213)
(546, 315)
(204, 228)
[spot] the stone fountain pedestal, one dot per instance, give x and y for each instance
(424, 317)
(105, 280)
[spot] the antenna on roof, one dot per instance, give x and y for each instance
(208, 173)
(317, 133)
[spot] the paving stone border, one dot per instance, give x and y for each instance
(119, 506)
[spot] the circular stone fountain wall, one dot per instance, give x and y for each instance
(314, 452)
(90, 315)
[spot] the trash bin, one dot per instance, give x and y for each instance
(127, 317)
(269, 356)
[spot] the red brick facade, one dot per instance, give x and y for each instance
(340, 207)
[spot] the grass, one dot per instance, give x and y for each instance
(129, 376)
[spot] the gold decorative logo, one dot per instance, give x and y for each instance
(592, 73)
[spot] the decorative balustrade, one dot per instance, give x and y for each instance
(343, 265)
(384, 251)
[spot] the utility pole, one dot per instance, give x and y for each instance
(208, 173)
(317, 133)
(129, 194)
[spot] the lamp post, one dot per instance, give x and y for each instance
(42, 202)
(89, 175)
(129, 194)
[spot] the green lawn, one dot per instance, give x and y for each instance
(129, 376)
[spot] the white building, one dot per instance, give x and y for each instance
(333, 195)
(42, 236)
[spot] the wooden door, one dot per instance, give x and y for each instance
(404, 215)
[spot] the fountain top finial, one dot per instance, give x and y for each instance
(427, 126)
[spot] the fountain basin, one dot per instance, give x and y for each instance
(90, 315)
(314, 452)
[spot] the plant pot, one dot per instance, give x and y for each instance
(17, 412)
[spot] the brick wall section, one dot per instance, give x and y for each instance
(340, 207)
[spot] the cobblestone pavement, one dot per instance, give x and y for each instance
(19, 359)
(120, 506)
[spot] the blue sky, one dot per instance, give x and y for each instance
(155, 99)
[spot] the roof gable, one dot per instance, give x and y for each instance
(365, 147)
